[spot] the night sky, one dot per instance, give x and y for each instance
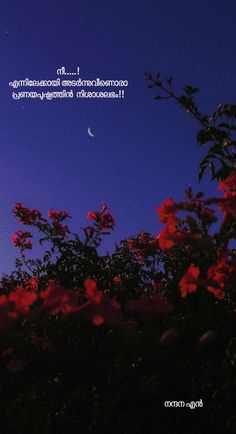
(143, 150)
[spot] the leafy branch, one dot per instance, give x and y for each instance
(218, 130)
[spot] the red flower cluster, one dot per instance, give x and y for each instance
(182, 230)
(167, 211)
(100, 307)
(218, 274)
(20, 239)
(171, 235)
(25, 215)
(117, 280)
(217, 277)
(102, 219)
(57, 218)
(189, 282)
(57, 300)
(22, 299)
(16, 304)
(228, 184)
(143, 245)
(32, 283)
(228, 202)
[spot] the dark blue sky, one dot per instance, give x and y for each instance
(144, 151)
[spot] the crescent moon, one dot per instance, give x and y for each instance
(90, 132)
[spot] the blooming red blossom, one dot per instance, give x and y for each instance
(92, 291)
(52, 297)
(92, 215)
(170, 236)
(100, 307)
(189, 282)
(218, 293)
(102, 219)
(117, 280)
(26, 215)
(98, 320)
(57, 216)
(20, 239)
(167, 237)
(167, 211)
(61, 230)
(32, 283)
(58, 300)
(228, 204)
(217, 276)
(228, 184)
(23, 299)
(69, 302)
(143, 245)
(107, 308)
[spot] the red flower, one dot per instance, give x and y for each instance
(107, 308)
(32, 283)
(57, 216)
(58, 300)
(61, 230)
(218, 293)
(189, 282)
(167, 210)
(103, 219)
(23, 299)
(228, 203)
(98, 320)
(20, 240)
(100, 307)
(26, 215)
(117, 280)
(217, 276)
(167, 237)
(52, 297)
(143, 245)
(228, 184)
(92, 215)
(170, 236)
(69, 302)
(91, 290)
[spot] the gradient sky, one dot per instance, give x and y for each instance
(144, 151)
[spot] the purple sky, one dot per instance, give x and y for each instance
(144, 151)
